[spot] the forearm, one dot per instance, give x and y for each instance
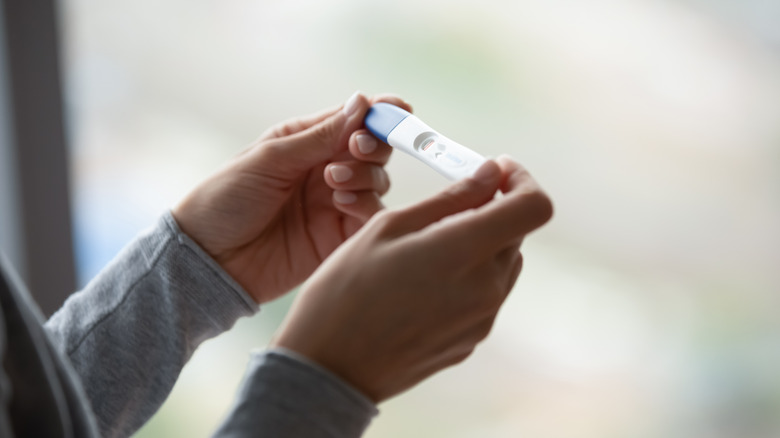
(132, 329)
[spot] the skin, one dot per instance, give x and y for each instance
(269, 216)
(394, 296)
(413, 293)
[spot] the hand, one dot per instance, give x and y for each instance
(276, 211)
(416, 289)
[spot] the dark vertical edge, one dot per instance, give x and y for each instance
(10, 222)
(32, 39)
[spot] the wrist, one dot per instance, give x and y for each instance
(336, 364)
(219, 284)
(335, 378)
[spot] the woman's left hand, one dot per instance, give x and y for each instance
(278, 209)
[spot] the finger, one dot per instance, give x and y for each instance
(317, 144)
(356, 176)
(507, 219)
(365, 147)
(298, 124)
(391, 99)
(516, 175)
(463, 195)
(361, 205)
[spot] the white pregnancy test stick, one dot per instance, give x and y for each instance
(406, 132)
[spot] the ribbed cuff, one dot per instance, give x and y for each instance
(284, 396)
(212, 289)
(336, 380)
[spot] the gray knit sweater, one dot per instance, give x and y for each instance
(118, 346)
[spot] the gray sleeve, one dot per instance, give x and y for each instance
(285, 395)
(131, 330)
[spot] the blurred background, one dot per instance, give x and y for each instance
(648, 307)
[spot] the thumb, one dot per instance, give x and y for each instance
(321, 141)
(463, 195)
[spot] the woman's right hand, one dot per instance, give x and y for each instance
(416, 289)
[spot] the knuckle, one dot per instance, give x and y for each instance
(453, 196)
(273, 148)
(484, 329)
(462, 356)
(384, 220)
(273, 131)
(285, 129)
(324, 133)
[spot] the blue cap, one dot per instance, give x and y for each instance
(382, 118)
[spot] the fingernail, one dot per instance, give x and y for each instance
(340, 173)
(344, 197)
(352, 104)
(485, 172)
(366, 143)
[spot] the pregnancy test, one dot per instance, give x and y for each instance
(405, 132)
